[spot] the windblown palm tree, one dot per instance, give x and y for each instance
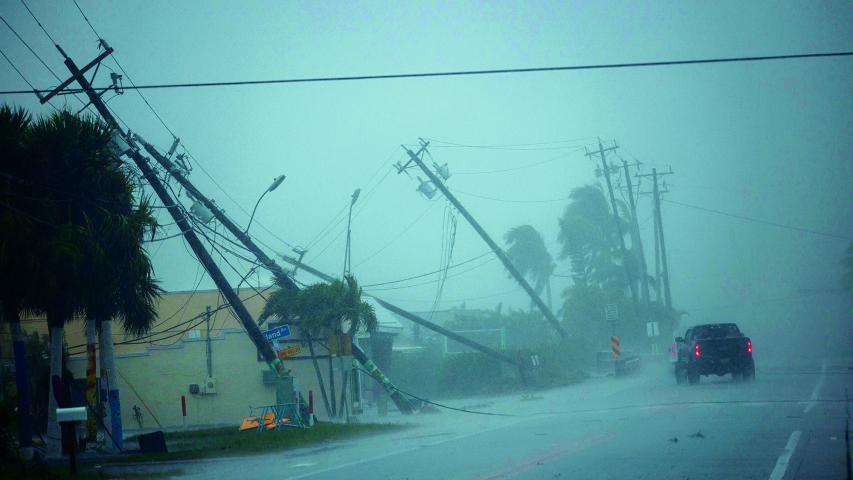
(530, 256)
(323, 310)
(590, 240)
(18, 261)
(85, 234)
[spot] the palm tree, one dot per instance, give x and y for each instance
(323, 310)
(89, 238)
(17, 261)
(590, 240)
(531, 258)
(120, 284)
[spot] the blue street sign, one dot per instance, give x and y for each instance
(277, 332)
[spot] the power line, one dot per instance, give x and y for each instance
(757, 220)
(30, 49)
(87, 19)
(123, 71)
(517, 146)
(15, 68)
(396, 237)
(40, 25)
(521, 167)
(460, 73)
(489, 260)
(495, 199)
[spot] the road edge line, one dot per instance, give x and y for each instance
(784, 459)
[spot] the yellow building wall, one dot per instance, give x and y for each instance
(155, 371)
(156, 379)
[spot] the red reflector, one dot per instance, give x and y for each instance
(697, 350)
(749, 346)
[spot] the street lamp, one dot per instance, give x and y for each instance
(275, 183)
(347, 253)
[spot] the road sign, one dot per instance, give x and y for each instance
(652, 329)
(611, 312)
(277, 332)
(615, 346)
(290, 351)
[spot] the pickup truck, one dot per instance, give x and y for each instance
(713, 349)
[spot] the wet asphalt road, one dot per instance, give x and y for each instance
(788, 424)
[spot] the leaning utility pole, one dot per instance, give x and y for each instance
(288, 282)
(217, 212)
(174, 208)
(606, 168)
(644, 280)
(656, 191)
(414, 157)
(284, 279)
(411, 316)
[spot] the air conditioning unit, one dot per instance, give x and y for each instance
(210, 386)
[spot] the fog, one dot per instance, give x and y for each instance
(757, 213)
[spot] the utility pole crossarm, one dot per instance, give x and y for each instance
(491, 243)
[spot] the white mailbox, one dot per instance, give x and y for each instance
(74, 414)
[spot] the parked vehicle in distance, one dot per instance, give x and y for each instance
(713, 349)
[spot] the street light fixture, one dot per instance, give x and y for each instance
(347, 253)
(275, 183)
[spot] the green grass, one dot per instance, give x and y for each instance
(227, 441)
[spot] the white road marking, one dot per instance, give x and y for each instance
(301, 465)
(816, 391)
(782, 463)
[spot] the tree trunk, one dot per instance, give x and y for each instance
(54, 436)
(319, 375)
(332, 380)
(103, 384)
(91, 373)
(113, 402)
(22, 383)
(548, 292)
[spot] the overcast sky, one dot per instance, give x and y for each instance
(769, 140)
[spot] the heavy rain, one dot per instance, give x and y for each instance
(426, 240)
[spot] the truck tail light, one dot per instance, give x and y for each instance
(673, 349)
(748, 345)
(697, 351)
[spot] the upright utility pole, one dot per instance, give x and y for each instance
(414, 157)
(601, 153)
(664, 262)
(660, 250)
(175, 211)
(644, 274)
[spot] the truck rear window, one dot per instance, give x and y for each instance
(716, 331)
